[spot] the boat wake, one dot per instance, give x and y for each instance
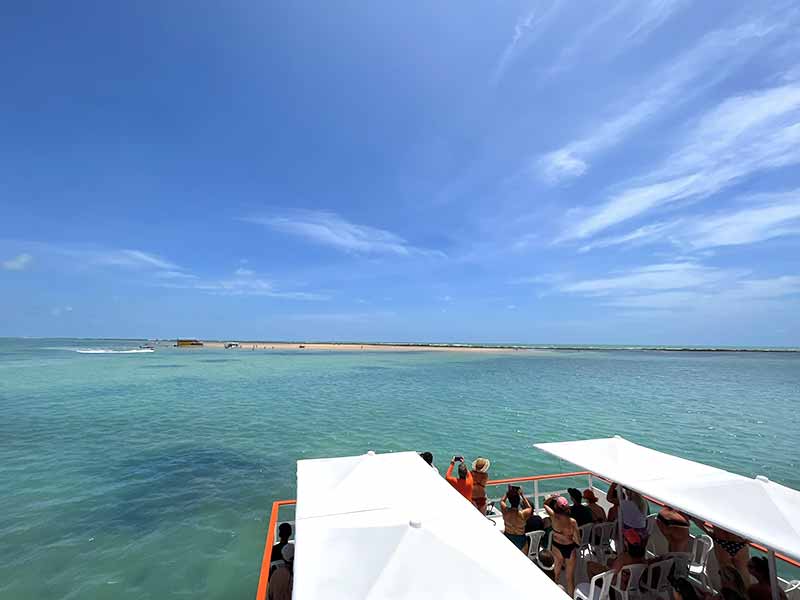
(106, 351)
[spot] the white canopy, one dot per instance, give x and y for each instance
(388, 526)
(757, 509)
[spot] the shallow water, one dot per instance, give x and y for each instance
(152, 475)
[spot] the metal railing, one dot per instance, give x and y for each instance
(263, 580)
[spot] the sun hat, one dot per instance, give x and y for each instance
(589, 494)
(481, 465)
(632, 537)
(287, 552)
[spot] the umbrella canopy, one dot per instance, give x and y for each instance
(388, 526)
(756, 509)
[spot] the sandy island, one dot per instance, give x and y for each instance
(333, 346)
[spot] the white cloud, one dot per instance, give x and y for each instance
(18, 263)
(741, 136)
(631, 22)
(133, 259)
(59, 310)
(174, 275)
(243, 283)
(329, 229)
(708, 62)
(525, 31)
(667, 276)
(764, 217)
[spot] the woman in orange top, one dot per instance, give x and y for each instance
(464, 482)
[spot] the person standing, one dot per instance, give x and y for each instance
(480, 475)
(464, 481)
(280, 583)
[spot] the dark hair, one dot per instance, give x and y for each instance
(546, 562)
(760, 565)
(427, 457)
(684, 587)
(561, 509)
(576, 495)
(462, 471)
(637, 550)
(284, 530)
(551, 502)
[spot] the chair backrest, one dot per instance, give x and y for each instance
(603, 532)
(586, 533)
(600, 585)
(534, 540)
(634, 577)
(651, 524)
(701, 548)
(657, 577)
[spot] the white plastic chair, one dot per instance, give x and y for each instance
(534, 540)
(586, 539)
(656, 579)
(593, 591)
(632, 591)
(602, 534)
(701, 550)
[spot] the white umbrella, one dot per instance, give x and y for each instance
(387, 526)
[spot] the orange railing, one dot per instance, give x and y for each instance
(263, 580)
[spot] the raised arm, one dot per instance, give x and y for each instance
(449, 474)
(576, 533)
(611, 495)
(549, 510)
(503, 506)
(526, 506)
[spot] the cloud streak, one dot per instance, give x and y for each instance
(17, 263)
(741, 136)
(329, 229)
(711, 60)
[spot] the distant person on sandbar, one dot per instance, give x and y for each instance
(480, 475)
(464, 482)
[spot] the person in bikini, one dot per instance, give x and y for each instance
(566, 540)
(730, 550)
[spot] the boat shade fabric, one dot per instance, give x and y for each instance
(389, 526)
(757, 509)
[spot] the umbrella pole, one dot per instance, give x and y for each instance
(773, 574)
(620, 530)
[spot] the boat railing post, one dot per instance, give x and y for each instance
(591, 482)
(536, 494)
(773, 574)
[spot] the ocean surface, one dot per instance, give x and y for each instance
(133, 475)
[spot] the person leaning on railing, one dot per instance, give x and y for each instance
(464, 482)
(516, 509)
(480, 475)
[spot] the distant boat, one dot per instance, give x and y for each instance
(181, 343)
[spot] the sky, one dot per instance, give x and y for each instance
(620, 172)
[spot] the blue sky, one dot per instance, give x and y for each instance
(557, 172)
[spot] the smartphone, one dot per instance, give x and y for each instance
(458, 459)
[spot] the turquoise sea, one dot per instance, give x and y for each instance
(151, 475)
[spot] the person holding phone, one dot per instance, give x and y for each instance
(516, 509)
(464, 481)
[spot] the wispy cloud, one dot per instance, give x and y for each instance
(60, 310)
(130, 259)
(682, 286)
(666, 276)
(525, 32)
(711, 60)
(329, 229)
(243, 282)
(632, 22)
(741, 136)
(18, 263)
(344, 317)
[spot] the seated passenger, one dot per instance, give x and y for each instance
(762, 588)
(516, 509)
(464, 482)
(579, 512)
(480, 475)
(547, 563)
(280, 583)
(598, 513)
(674, 526)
